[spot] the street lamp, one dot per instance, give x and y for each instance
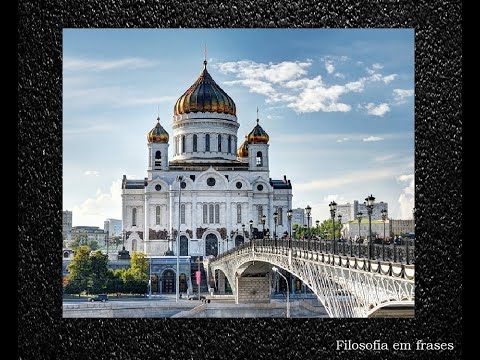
(305, 238)
(243, 232)
(317, 223)
(251, 231)
(275, 269)
(369, 202)
(275, 219)
(181, 185)
(333, 209)
(339, 216)
(308, 211)
(289, 217)
(359, 218)
(264, 219)
(384, 218)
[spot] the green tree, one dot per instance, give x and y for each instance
(139, 266)
(326, 227)
(93, 245)
(79, 269)
(78, 240)
(99, 272)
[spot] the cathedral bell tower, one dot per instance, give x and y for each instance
(257, 141)
(157, 140)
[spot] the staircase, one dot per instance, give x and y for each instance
(203, 277)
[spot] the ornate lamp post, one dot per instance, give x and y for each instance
(339, 216)
(181, 185)
(369, 202)
(289, 217)
(275, 219)
(333, 209)
(243, 232)
(308, 211)
(359, 218)
(384, 218)
(264, 218)
(251, 230)
(305, 238)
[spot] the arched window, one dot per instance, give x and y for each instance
(134, 245)
(217, 214)
(194, 142)
(210, 215)
(182, 214)
(65, 254)
(239, 213)
(260, 213)
(280, 216)
(134, 217)
(219, 143)
(259, 159)
(207, 142)
(234, 145)
(158, 158)
(183, 143)
(205, 213)
(157, 215)
(229, 144)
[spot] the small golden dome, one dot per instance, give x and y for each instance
(157, 134)
(242, 151)
(258, 135)
(205, 96)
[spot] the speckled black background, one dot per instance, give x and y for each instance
(43, 334)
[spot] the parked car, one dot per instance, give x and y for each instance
(98, 297)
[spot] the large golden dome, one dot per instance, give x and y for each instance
(205, 96)
(157, 134)
(258, 135)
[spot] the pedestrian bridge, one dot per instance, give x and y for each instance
(350, 280)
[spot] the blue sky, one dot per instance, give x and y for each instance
(338, 105)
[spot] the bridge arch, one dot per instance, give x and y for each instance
(346, 287)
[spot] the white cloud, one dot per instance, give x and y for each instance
(91, 173)
(378, 110)
(329, 66)
(372, 138)
(377, 66)
(346, 179)
(400, 95)
(384, 158)
(287, 82)
(343, 140)
(94, 211)
(75, 64)
(406, 199)
(339, 75)
(389, 78)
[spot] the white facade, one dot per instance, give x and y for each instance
(298, 217)
(352, 229)
(90, 233)
(220, 190)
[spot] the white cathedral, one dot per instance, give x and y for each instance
(212, 192)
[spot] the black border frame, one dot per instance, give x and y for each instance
(44, 334)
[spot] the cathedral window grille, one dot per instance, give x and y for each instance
(183, 143)
(157, 215)
(134, 217)
(219, 143)
(205, 213)
(259, 159)
(239, 213)
(260, 214)
(210, 214)
(194, 142)
(158, 158)
(280, 216)
(182, 214)
(217, 214)
(229, 144)
(207, 142)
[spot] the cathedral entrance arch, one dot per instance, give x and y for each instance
(239, 240)
(183, 245)
(168, 282)
(211, 245)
